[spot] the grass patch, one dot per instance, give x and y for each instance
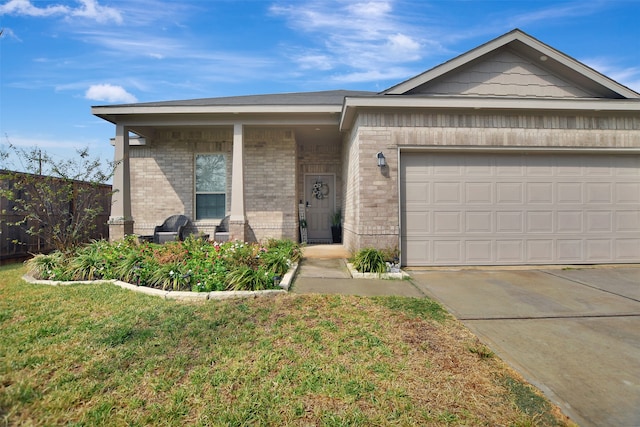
(100, 355)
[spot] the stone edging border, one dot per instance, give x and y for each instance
(390, 276)
(285, 284)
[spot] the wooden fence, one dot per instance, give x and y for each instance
(16, 244)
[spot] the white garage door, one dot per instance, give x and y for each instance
(499, 209)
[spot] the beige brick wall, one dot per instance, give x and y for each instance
(371, 197)
(270, 183)
(162, 179)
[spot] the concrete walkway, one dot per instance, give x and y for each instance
(323, 270)
(573, 333)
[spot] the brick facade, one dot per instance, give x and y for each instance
(162, 179)
(372, 202)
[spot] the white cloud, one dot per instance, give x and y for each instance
(24, 7)
(628, 76)
(87, 9)
(109, 93)
(103, 14)
(367, 37)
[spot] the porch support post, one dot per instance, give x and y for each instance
(120, 220)
(237, 219)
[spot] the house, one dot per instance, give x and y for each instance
(511, 153)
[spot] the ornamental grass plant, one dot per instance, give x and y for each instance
(193, 265)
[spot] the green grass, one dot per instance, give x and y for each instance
(87, 355)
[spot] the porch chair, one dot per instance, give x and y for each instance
(173, 228)
(222, 231)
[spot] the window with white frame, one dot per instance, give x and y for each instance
(211, 186)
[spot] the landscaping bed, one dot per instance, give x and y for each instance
(195, 265)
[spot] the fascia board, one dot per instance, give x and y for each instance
(221, 109)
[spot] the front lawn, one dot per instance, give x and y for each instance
(101, 355)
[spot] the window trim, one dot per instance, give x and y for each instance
(195, 185)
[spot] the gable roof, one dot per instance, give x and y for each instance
(580, 79)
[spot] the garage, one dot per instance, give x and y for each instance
(494, 208)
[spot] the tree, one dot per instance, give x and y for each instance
(58, 201)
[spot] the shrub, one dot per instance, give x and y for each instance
(194, 264)
(370, 260)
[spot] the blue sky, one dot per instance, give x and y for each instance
(58, 58)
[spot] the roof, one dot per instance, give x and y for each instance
(530, 47)
(330, 97)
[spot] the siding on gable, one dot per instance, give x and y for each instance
(504, 74)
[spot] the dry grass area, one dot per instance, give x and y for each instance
(100, 355)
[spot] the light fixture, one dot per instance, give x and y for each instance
(382, 162)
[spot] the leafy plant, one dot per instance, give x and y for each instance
(57, 201)
(370, 260)
(192, 265)
(246, 278)
(336, 218)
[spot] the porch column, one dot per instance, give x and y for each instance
(237, 219)
(120, 220)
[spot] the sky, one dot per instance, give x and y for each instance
(58, 58)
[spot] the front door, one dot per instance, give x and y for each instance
(320, 201)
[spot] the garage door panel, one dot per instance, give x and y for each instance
(540, 251)
(493, 209)
(569, 250)
(509, 251)
(539, 192)
(418, 222)
(628, 192)
(416, 192)
(569, 192)
(598, 249)
(447, 252)
(627, 250)
(509, 221)
(569, 221)
(598, 192)
(447, 222)
(478, 251)
(540, 222)
(447, 192)
(509, 193)
(478, 193)
(627, 221)
(478, 222)
(417, 252)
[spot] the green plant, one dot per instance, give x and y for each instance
(58, 201)
(336, 218)
(370, 260)
(43, 266)
(246, 278)
(192, 265)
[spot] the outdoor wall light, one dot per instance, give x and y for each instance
(382, 162)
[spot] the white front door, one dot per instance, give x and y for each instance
(320, 204)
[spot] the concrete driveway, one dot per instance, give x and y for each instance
(574, 333)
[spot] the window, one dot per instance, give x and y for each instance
(211, 186)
